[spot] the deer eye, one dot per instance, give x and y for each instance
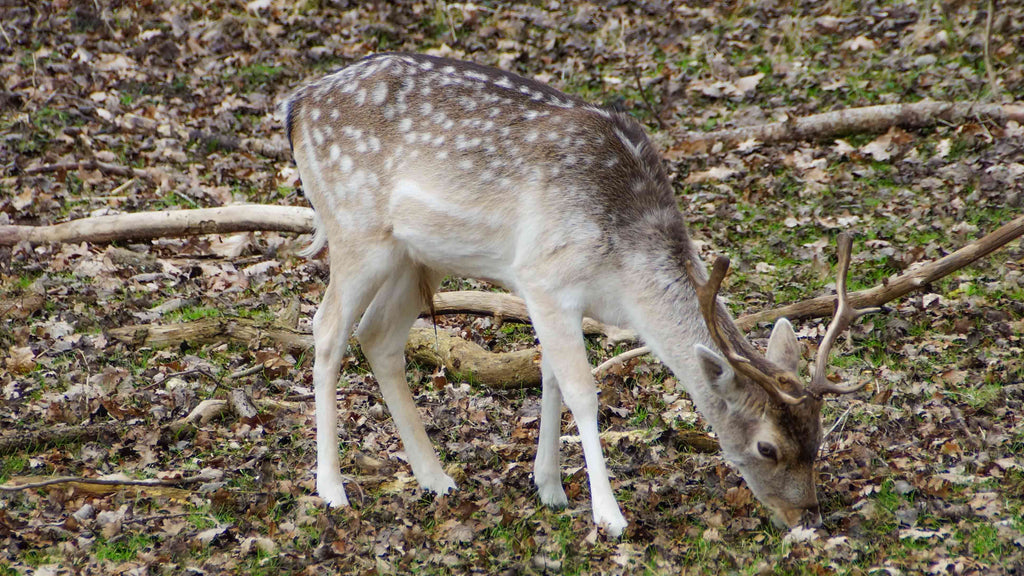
(768, 451)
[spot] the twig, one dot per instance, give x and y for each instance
(201, 477)
(993, 86)
(148, 519)
(643, 96)
(620, 359)
(839, 423)
(245, 372)
(4, 32)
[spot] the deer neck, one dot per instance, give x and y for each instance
(663, 305)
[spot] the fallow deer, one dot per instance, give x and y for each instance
(418, 167)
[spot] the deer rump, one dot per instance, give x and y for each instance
(418, 167)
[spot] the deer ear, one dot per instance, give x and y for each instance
(783, 348)
(720, 376)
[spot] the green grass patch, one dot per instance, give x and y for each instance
(123, 548)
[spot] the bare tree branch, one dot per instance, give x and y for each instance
(104, 167)
(205, 476)
(170, 223)
(901, 285)
(859, 120)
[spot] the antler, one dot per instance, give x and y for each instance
(780, 384)
(844, 316)
(738, 352)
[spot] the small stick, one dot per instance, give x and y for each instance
(620, 359)
(993, 86)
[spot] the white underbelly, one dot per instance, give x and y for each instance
(460, 239)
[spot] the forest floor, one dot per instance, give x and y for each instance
(922, 472)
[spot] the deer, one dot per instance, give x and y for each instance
(419, 167)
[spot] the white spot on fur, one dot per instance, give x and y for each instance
(346, 163)
(380, 93)
(360, 97)
(335, 152)
(405, 124)
(314, 114)
(426, 108)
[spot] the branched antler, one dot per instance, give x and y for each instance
(844, 316)
(780, 384)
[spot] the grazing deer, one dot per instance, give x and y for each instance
(420, 166)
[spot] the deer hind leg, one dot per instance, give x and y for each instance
(347, 295)
(563, 349)
(382, 333)
(547, 473)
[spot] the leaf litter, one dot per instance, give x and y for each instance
(924, 474)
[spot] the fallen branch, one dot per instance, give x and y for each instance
(247, 145)
(242, 405)
(170, 223)
(104, 167)
(51, 436)
(859, 120)
(18, 484)
(502, 370)
(893, 288)
(512, 308)
(620, 359)
(990, 73)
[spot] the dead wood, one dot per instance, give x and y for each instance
(171, 223)
(242, 405)
(30, 482)
(893, 288)
(512, 308)
(105, 167)
(55, 436)
(501, 370)
(859, 120)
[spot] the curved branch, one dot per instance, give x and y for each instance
(148, 225)
(860, 120)
(893, 288)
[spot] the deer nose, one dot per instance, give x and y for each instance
(811, 517)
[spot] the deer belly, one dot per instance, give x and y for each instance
(456, 237)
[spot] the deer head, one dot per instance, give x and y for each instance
(772, 427)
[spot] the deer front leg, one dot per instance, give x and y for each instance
(563, 349)
(547, 473)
